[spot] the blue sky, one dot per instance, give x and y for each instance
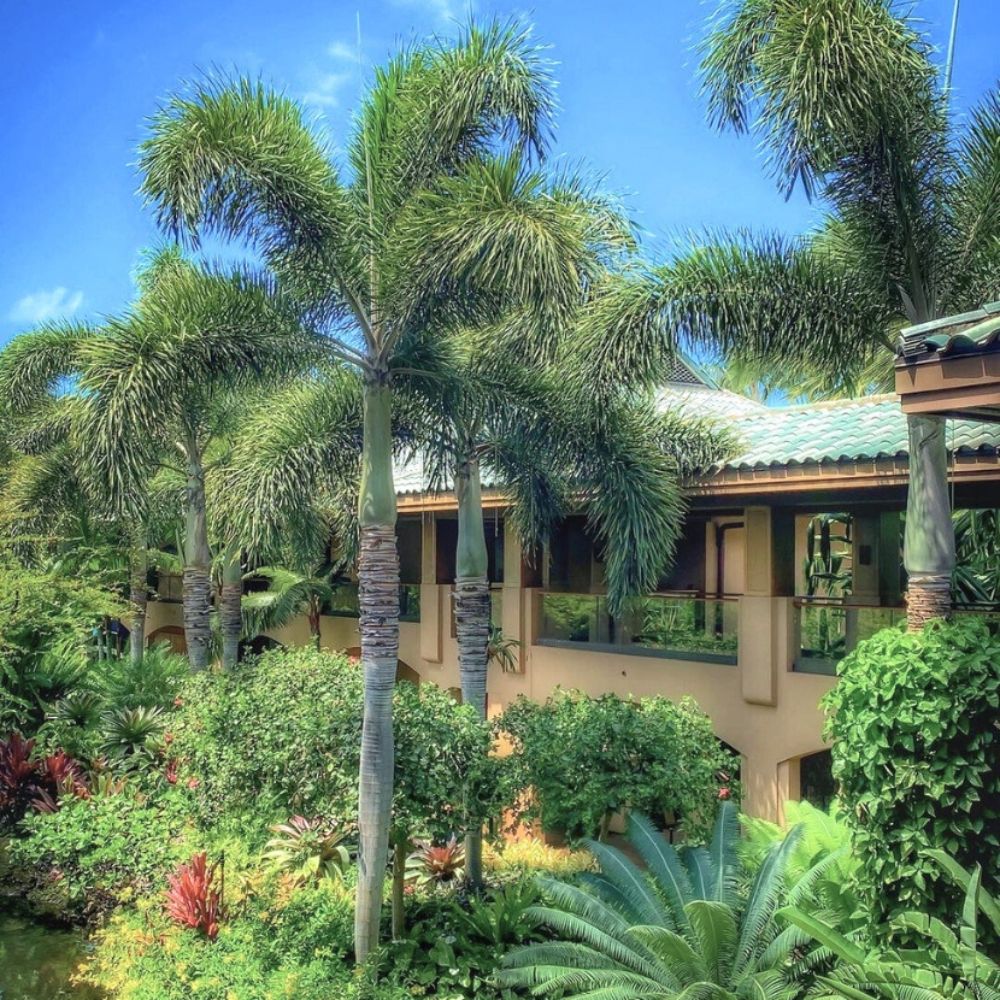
(79, 78)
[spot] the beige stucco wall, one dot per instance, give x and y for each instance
(759, 705)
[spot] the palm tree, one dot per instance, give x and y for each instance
(379, 269)
(844, 97)
(675, 927)
(289, 594)
(163, 386)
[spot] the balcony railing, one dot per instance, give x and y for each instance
(680, 627)
(345, 602)
(830, 629)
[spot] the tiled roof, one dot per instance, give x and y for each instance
(854, 430)
(843, 431)
(968, 333)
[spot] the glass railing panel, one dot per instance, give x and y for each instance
(344, 603)
(685, 625)
(680, 627)
(829, 630)
(409, 602)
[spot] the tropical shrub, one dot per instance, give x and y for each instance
(675, 927)
(282, 735)
(46, 642)
(279, 941)
(652, 755)
(916, 755)
(80, 861)
(129, 736)
(530, 855)
(151, 683)
(454, 950)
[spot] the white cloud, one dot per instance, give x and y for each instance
(41, 306)
(343, 51)
(442, 10)
(325, 91)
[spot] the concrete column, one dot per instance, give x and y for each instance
(430, 593)
(766, 612)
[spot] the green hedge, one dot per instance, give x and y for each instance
(916, 751)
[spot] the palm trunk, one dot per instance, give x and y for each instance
(929, 540)
(378, 599)
(472, 621)
(138, 596)
(197, 596)
(230, 608)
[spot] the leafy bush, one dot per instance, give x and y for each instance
(280, 942)
(283, 734)
(529, 855)
(77, 863)
(453, 950)
(676, 927)
(915, 750)
(652, 755)
(46, 622)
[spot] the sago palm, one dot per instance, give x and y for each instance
(675, 927)
(845, 100)
(384, 274)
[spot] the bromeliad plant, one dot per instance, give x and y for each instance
(192, 898)
(308, 849)
(440, 864)
(676, 927)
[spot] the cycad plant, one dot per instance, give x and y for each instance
(386, 273)
(676, 926)
(934, 960)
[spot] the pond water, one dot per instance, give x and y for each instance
(36, 962)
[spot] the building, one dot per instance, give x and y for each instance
(790, 555)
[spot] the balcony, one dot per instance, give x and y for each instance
(345, 602)
(672, 626)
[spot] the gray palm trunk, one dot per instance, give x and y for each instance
(378, 600)
(929, 538)
(472, 619)
(137, 598)
(197, 583)
(230, 610)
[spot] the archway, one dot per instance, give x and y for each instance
(173, 635)
(257, 645)
(816, 784)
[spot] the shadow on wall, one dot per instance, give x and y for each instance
(404, 672)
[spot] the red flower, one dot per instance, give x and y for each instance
(168, 738)
(178, 701)
(193, 783)
(725, 793)
(171, 771)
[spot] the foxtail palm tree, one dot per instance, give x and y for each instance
(845, 99)
(383, 275)
(163, 386)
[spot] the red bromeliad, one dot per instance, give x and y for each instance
(192, 899)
